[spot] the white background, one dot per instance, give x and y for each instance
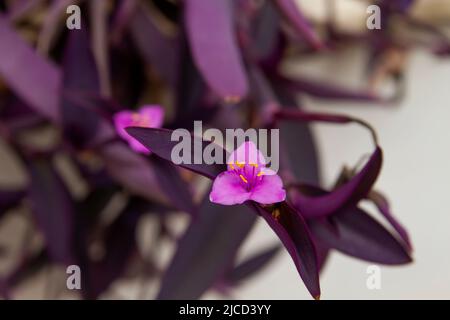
(415, 176)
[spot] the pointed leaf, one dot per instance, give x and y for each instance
(53, 209)
(298, 143)
(355, 233)
(131, 170)
(206, 249)
(157, 49)
(80, 77)
(176, 189)
(345, 195)
(215, 50)
(30, 76)
(293, 232)
(159, 142)
(383, 206)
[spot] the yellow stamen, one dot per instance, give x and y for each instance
(231, 165)
(240, 164)
(276, 214)
(260, 174)
(254, 165)
(243, 179)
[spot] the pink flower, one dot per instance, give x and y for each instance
(247, 178)
(150, 116)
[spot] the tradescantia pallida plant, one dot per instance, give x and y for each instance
(112, 93)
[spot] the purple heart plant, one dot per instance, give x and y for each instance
(87, 116)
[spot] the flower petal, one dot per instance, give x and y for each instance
(155, 113)
(122, 120)
(247, 153)
(228, 190)
(137, 146)
(269, 190)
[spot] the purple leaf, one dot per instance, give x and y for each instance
(383, 206)
(132, 170)
(157, 49)
(298, 149)
(190, 91)
(353, 232)
(266, 33)
(31, 77)
(80, 77)
(300, 152)
(159, 142)
(293, 232)
(251, 266)
(53, 209)
(100, 41)
(328, 91)
(302, 116)
(211, 34)
(176, 189)
(292, 12)
(322, 251)
(345, 195)
(123, 16)
(206, 249)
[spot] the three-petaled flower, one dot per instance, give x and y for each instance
(247, 178)
(150, 116)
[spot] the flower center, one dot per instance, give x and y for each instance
(140, 120)
(250, 174)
